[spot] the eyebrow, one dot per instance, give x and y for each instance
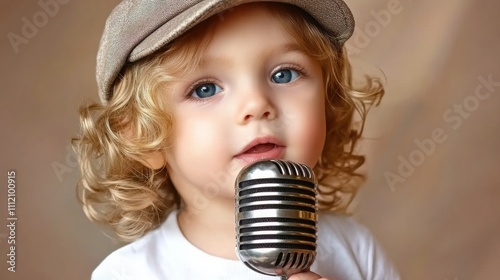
(226, 61)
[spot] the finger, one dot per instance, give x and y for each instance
(306, 276)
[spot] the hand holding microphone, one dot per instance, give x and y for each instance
(276, 218)
(307, 276)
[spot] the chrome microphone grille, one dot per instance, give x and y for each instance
(276, 217)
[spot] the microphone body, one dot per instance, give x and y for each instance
(276, 221)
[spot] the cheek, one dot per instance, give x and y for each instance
(200, 146)
(313, 134)
(308, 131)
(200, 158)
(194, 138)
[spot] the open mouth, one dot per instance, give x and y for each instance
(261, 148)
(261, 151)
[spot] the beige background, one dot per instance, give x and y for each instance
(442, 221)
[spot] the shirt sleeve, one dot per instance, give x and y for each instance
(347, 250)
(113, 267)
(372, 257)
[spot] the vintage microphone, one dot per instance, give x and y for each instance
(276, 217)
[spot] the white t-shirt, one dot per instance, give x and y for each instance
(346, 251)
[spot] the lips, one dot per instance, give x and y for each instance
(262, 148)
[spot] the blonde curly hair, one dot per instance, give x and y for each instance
(118, 189)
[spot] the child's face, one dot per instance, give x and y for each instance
(255, 96)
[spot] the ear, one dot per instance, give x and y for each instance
(155, 160)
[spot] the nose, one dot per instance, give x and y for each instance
(256, 105)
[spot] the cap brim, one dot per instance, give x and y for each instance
(330, 15)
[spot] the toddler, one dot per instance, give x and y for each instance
(193, 91)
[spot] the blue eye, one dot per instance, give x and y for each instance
(285, 76)
(206, 90)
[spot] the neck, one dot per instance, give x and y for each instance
(210, 227)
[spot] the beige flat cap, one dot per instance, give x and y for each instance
(138, 28)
